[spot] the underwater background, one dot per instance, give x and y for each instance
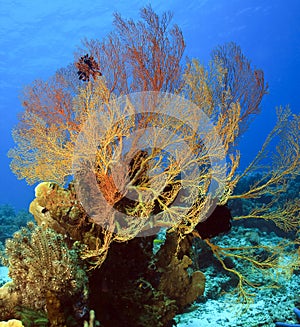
(36, 39)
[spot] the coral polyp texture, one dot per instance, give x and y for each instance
(128, 141)
(45, 272)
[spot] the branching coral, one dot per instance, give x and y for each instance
(268, 260)
(229, 81)
(148, 159)
(229, 92)
(277, 168)
(50, 116)
(54, 117)
(179, 164)
(140, 56)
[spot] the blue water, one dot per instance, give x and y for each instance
(37, 38)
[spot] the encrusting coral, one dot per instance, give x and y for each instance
(79, 129)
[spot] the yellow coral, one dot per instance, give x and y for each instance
(11, 323)
(277, 168)
(42, 189)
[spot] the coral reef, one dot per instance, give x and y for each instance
(46, 274)
(78, 130)
(245, 207)
(154, 288)
(176, 282)
(9, 300)
(12, 221)
(283, 324)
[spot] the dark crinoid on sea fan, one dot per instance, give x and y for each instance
(87, 66)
